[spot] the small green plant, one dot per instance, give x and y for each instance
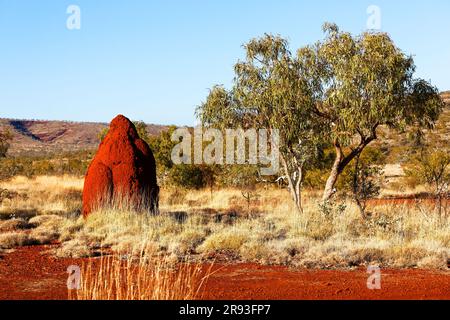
(433, 168)
(365, 184)
(250, 195)
(330, 208)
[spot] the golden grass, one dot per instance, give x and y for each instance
(335, 237)
(202, 225)
(42, 195)
(119, 277)
(10, 240)
(14, 225)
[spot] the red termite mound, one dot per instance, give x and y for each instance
(123, 171)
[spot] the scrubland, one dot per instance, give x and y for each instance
(222, 226)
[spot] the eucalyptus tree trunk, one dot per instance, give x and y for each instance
(333, 177)
(355, 189)
(295, 179)
(341, 162)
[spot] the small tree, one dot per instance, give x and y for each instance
(365, 183)
(433, 167)
(341, 89)
(102, 134)
(5, 139)
(361, 83)
(363, 177)
(190, 176)
(245, 178)
(141, 129)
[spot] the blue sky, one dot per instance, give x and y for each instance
(155, 60)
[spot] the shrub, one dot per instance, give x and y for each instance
(228, 239)
(188, 176)
(11, 240)
(14, 225)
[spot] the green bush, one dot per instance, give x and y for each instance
(67, 163)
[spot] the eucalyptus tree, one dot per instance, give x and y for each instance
(359, 84)
(340, 90)
(268, 93)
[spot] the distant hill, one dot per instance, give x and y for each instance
(37, 137)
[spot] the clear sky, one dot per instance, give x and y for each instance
(154, 60)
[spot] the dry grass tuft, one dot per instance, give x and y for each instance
(74, 249)
(46, 220)
(227, 240)
(48, 228)
(14, 225)
(11, 240)
(42, 195)
(145, 278)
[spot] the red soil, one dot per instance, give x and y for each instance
(31, 273)
(256, 282)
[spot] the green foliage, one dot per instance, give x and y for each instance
(5, 139)
(432, 167)
(141, 129)
(361, 83)
(366, 183)
(162, 146)
(188, 176)
(269, 93)
(316, 178)
(102, 134)
(363, 177)
(317, 175)
(67, 163)
(10, 167)
(195, 176)
(239, 176)
(330, 209)
(339, 89)
(371, 159)
(185, 176)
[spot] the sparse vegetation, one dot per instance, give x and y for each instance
(206, 227)
(75, 163)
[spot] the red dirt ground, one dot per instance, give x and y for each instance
(30, 273)
(270, 283)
